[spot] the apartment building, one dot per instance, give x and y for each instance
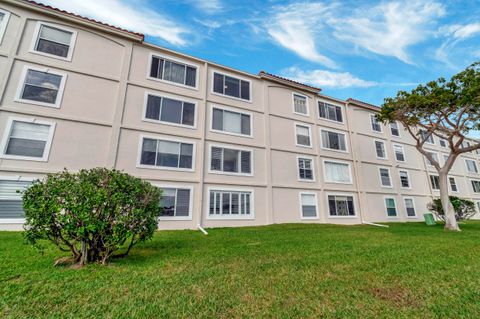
(227, 147)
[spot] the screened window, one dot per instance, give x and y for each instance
(453, 184)
(435, 182)
(302, 135)
(28, 140)
(394, 129)
(391, 208)
(380, 149)
(341, 205)
(231, 160)
(175, 202)
(410, 207)
(426, 137)
(375, 123)
(232, 122)
(169, 110)
(330, 112)
(434, 156)
(336, 172)
(476, 186)
(300, 104)
(11, 204)
(230, 204)
(309, 205)
(404, 179)
(54, 41)
(166, 154)
(399, 153)
(42, 87)
(173, 71)
(385, 177)
(227, 85)
(471, 166)
(305, 169)
(333, 140)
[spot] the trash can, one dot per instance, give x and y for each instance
(429, 219)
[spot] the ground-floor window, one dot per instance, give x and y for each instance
(175, 202)
(308, 203)
(391, 207)
(225, 203)
(341, 205)
(11, 205)
(410, 207)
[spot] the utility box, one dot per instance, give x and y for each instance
(429, 219)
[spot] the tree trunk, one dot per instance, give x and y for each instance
(450, 221)
(84, 254)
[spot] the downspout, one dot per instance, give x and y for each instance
(202, 177)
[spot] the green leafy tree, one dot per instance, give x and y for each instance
(464, 208)
(446, 109)
(92, 213)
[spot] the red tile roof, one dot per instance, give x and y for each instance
(309, 87)
(47, 7)
(350, 100)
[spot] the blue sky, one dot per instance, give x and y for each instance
(367, 50)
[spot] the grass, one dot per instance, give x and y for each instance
(278, 271)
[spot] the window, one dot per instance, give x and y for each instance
(476, 186)
(337, 172)
(478, 206)
(41, 86)
(404, 179)
(390, 206)
(380, 150)
(333, 140)
(341, 205)
(230, 204)
(170, 70)
(305, 169)
(394, 129)
(443, 142)
(471, 166)
(166, 154)
(434, 156)
(385, 177)
(233, 161)
(169, 110)
(176, 203)
(27, 139)
(4, 17)
(330, 112)
(445, 158)
(376, 127)
(228, 121)
(477, 151)
(302, 135)
(425, 136)
(300, 105)
(410, 207)
(435, 181)
(308, 203)
(399, 153)
(453, 184)
(54, 41)
(234, 87)
(11, 204)
(465, 144)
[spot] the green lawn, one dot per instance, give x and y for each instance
(279, 271)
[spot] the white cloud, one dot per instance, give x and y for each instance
(454, 36)
(324, 78)
(208, 6)
(121, 14)
(462, 32)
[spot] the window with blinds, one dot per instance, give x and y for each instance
(404, 179)
(376, 127)
(302, 135)
(166, 153)
(390, 207)
(380, 150)
(385, 177)
(175, 202)
(231, 122)
(337, 172)
(230, 204)
(471, 166)
(173, 71)
(399, 153)
(410, 207)
(170, 110)
(11, 205)
(300, 104)
(333, 140)
(232, 161)
(55, 41)
(394, 129)
(308, 203)
(28, 140)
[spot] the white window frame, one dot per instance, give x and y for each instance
(4, 24)
(414, 206)
(16, 178)
(229, 217)
(231, 109)
(307, 104)
(450, 185)
(426, 159)
(466, 165)
(408, 177)
(430, 137)
(23, 78)
(389, 177)
(8, 131)
(403, 152)
(313, 169)
(213, 71)
(36, 34)
(398, 127)
(386, 207)
(173, 59)
(471, 184)
(329, 120)
(232, 147)
(372, 118)
(168, 139)
(355, 205)
(168, 96)
(430, 182)
(189, 187)
(334, 131)
(339, 162)
(384, 148)
(301, 205)
(309, 134)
